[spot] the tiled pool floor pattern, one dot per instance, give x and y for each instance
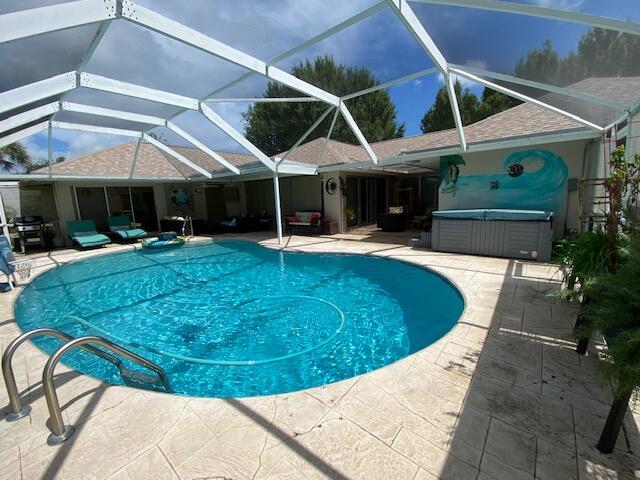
(503, 396)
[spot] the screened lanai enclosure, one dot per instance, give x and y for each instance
(172, 74)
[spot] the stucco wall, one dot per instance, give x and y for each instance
(482, 166)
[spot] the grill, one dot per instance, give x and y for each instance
(30, 231)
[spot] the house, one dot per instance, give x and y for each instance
(526, 157)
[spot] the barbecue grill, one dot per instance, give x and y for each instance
(30, 231)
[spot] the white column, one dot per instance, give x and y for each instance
(3, 221)
(50, 149)
(276, 192)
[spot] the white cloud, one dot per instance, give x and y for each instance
(131, 53)
(463, 81)
(39, 154)
(481, 64)
(560, 4)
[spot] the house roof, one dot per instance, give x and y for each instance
(524, 120)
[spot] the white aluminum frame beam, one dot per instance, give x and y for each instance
(24, 133)
(81, 127)
(106, 84)
(28, 116)
(309, 43)
(88, 53)
(237, 136)
(623, 26)
(195, 142)
(326, 143)
(276, 194)
(161, 24)
(263, 100)
(525, 98)
(181, 158)
(108, 112)
(404, 11)
(568, 92)
(307, 133)
(346, 114)
(36, 21)
(391, 83)
(33, 92)
(453, 100)
(135, 160)
(99, 82)
(136, 117)
(49, 149)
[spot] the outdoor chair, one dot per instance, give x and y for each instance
(83, 233)
(121, 226)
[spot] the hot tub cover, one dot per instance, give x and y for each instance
(496, 214)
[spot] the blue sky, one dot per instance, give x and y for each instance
(489, 40)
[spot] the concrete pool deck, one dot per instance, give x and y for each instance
(502, 396)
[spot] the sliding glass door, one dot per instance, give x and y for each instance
(92, 205)
(144, 207)
(99, 203)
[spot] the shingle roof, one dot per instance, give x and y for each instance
(523, 120)
(116, 161)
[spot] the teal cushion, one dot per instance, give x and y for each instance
(92, 240)
(132, 233)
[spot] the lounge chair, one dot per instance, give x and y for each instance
(121, 226)
(83, 233)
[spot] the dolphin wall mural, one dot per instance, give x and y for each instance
(529, 180)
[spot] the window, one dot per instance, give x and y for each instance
(99, 203)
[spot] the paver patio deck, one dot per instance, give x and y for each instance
(502, 396)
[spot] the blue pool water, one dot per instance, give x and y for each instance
(234, 319)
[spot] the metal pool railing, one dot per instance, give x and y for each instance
(60, 431)
(15, 404)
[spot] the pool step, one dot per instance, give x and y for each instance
(133, 378)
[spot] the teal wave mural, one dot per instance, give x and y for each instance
(529, 180)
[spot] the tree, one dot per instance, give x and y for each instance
(600, 53)
(13, 156)
(275, 127)
(440, 117)
(539, 65)
(493, 102)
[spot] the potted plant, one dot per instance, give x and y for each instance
(614, 310)
(350, 214)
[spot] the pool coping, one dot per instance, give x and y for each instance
(505, 375)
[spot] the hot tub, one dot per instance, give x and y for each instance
(525, 234)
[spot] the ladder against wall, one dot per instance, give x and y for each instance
(593, 203)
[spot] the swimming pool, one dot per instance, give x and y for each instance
(234, 319)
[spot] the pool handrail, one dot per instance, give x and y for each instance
(17, 410)
(60, 431)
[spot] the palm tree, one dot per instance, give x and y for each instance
(12, 156)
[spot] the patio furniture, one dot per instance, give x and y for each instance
(83, 233)
(243, 224)
(305, 222)
(525, 234)
(122, 227)
(393, 221)
(175, 224)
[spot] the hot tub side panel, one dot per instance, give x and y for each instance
(528, 240)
